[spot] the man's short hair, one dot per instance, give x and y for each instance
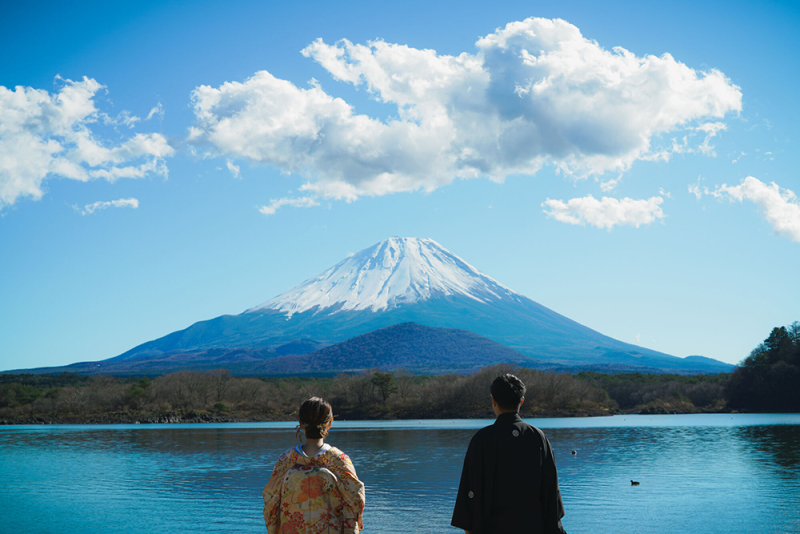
(508, 391)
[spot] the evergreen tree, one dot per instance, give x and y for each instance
(768, 379)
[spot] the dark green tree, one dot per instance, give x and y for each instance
(767, 379)
(385, 384)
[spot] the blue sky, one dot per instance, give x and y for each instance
(164, 163)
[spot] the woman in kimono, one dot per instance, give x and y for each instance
(314, 488)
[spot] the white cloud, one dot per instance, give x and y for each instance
(124, 118)
(157, 110)
(697, 190)
(605, 213)
(121, 203)
(535, 93)
(711, 130)
(780, 207)
(302, 202)
(609, 185)
(233, 168)
(44, 135)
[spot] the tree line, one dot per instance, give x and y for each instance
(662, 393)
(216, 395)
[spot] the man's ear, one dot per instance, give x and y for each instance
(521, 401)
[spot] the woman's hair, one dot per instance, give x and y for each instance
(315, 415)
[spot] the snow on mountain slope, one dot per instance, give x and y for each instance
(396, 271)
(397, 281)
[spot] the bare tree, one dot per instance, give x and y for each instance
(75, 400)
(201, 390)
(248, 389)
(220, 381)
(794, 333)
(405, 383)
(177, 388)
(362, 389)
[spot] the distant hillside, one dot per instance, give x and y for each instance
(238, 360)
(410, 346)
(411, 280)
(416, 348)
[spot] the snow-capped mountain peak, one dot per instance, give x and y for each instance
(395, 271)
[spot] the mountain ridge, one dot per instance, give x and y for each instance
(412, 280)
(408, 346)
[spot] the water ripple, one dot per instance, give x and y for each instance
(713, 475)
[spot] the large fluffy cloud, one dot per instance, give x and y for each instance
(43, 135)
(780, 207)
(606, 212)
(535, 93)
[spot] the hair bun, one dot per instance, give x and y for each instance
(315, 416)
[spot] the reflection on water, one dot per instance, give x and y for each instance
(709, 474)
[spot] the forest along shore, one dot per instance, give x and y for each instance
(216, 396)
(765, 382)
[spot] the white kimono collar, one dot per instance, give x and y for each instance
(325, 447)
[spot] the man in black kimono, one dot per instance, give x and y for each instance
(509, 484)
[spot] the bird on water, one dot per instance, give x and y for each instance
(634, 483)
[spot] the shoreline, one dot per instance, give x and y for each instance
(200, 418)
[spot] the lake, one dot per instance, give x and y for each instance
(709, 473)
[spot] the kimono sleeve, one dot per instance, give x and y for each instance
(352, 491)
(552, 505)
(462, 513)
(272, 492)
(469, 512)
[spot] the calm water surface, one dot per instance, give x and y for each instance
(699, 474)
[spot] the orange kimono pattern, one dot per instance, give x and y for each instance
(314, 495)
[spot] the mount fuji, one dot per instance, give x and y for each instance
(397, 281)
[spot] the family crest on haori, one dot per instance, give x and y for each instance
(509, 483)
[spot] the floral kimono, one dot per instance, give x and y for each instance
(320, 494)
